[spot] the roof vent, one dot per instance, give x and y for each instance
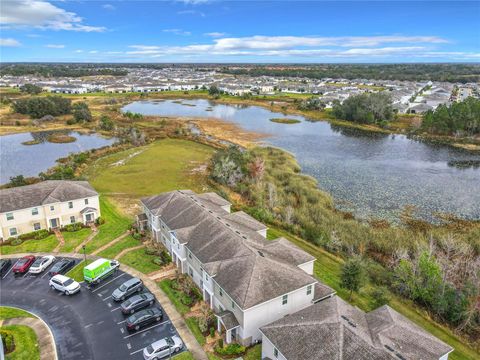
(238, 232)
(400, 356)
(243, 236)
(227, 224)
(261, 253)
(344, 317)
(352, 324)
(389, 348)
(210, 211)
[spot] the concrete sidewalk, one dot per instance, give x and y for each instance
(177, 320)
(46, 342)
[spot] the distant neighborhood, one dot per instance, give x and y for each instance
(407, 96)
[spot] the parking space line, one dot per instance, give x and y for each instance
(122, 330)
(133, 353)
(121, 322)
(108, 282)
(8, 272)
(141, 331)
(115, 308)
(46, 273)
(107, 298)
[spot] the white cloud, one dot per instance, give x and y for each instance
(79, 51)
(194, 2)
(191, 12)
(109, 7)
(9, 42)
(178, 32)
(55, 46)
(215, 34)
(93, 52)
(43, 15)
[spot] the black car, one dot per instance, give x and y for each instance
(4, 266)
(144, 318)
(137, 302)
(61, 267)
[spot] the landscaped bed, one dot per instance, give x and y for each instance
(31, 246)
(22, 342)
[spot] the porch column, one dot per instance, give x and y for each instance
(229, 336)
(219, 326)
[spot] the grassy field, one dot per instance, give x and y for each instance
(74, 238)
(10, 313)
(26, 345)
(162, 166)
(116, 248)
(115, 225)
(173, 295)
(192, 324)
(76, 273)
(140, 260)
(186, 355)
(328, 268)
(31, 246)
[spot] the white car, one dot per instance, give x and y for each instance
(163, 348)
(41, 264)
(64, 284)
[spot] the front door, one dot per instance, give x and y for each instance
(89, 217)
(54, 223)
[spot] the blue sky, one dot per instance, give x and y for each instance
(241, 31)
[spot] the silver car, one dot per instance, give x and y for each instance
(127, 288)
(162, 348)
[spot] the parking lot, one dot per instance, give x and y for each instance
(86, 325)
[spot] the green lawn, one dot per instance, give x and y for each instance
(31, 246)
(140, 260)
(115, 225)
(253, 353)
(327, 269)
(173, 295)
(10, 313)
(116, 248)
(26, 345)
(186, 355)
(192, 324)
(74, 238)
(76, 272)
(162, 166)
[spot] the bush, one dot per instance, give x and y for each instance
(73, 227)
(100, 221)
(81, 112)
(230, 349)
(137, 236)
(220, 343)
(151, 251)
(37, 235)
(379, 296)
(16, 242)
(212, 332)
(38, 107)
(8, 341)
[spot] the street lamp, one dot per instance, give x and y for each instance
(84, 253)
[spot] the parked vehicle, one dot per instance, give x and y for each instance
(162, 348)
(23, 264)
(4, 266)
(64, 284)
(127, 288)
(144, 318)
(61, 267)
(137, 302)
(41, 264)
(98, 270)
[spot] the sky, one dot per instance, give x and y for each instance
(239, 31)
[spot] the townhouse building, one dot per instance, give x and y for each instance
(46, 205)
(248, 281)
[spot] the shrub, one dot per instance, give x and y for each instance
(100, 220)
(137, 236)
(8, 341)
(379, 296)
(212, 332)
(151, 251)
(73, 227)
(230, 349)
(220, 343)
(16, 242)
(37, 235)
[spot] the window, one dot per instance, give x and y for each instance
(9, 216)
(206, 277)
(190, 271)
(309, 289)
(13, 231)
(86, 201)
(52, 208)
(233, 305)
(189, 255)
(72, 219)
(220, 292)
(35, 211)
(70, 205)
(284, 299)
(37, 226)
(275, 352)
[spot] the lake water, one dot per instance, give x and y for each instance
(368, 173)
(30, 160)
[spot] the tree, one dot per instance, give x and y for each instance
(81, 112)
(106, 123)
(365, 108)
(214, 90)
(352, 276)
(18, 180)
(31, 89)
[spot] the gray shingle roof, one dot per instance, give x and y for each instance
(333, 329)
(248, 267)
(44, 193)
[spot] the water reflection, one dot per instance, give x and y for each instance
(368, 173)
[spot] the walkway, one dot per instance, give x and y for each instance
(127, 250)
(168, 271)
(87, 240)
(114, 241)
(61, 240)
(45, 338)
(177, 320)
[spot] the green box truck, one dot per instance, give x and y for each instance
(98, 270)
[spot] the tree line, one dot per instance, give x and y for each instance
(374, 108)
(58, 70)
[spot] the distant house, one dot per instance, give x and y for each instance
(419, 108)
(46, 205)
(333, 329)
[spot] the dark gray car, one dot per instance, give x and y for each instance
(127, 288)
(137, 302)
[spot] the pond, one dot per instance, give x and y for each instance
(370, 174)
(29, 160)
